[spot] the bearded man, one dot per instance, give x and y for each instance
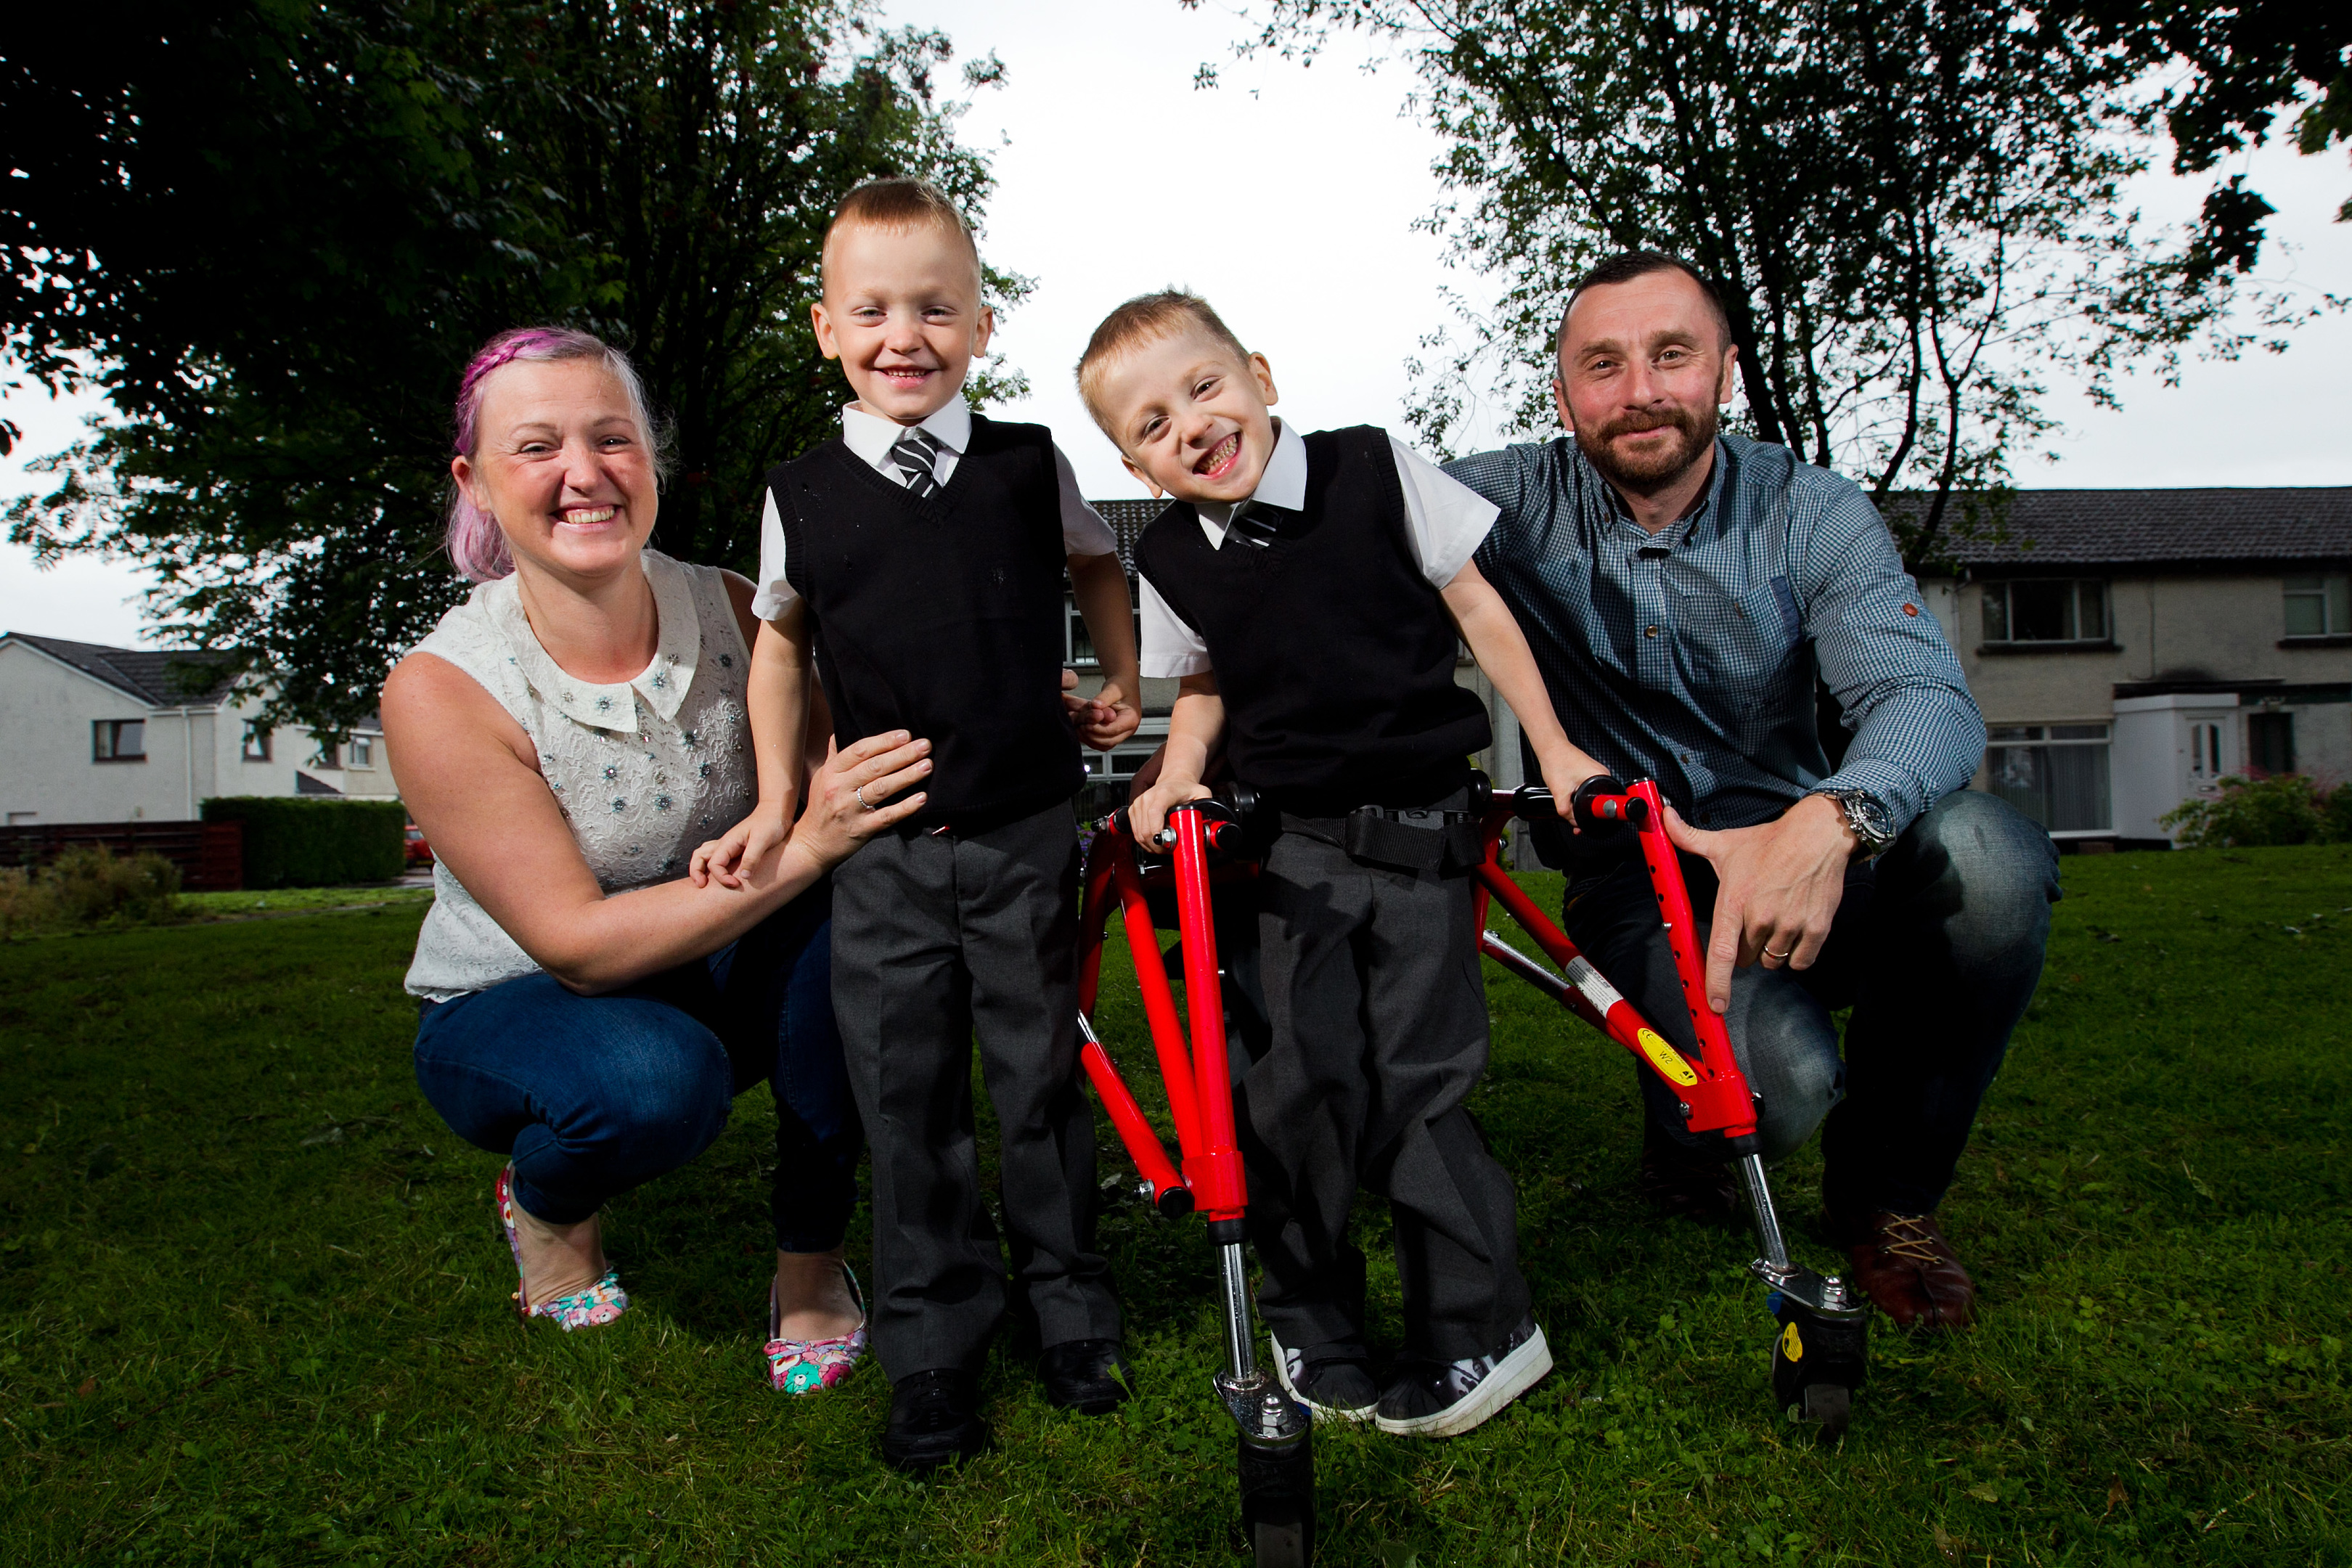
(1683, 589)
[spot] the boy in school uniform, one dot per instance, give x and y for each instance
(1308, 590)
(919, 557)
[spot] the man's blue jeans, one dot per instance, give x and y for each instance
(594, 1095)
(1937, 947)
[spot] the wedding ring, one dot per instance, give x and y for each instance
(1782, 956)
(860, 793)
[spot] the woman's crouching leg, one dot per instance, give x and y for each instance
(590, 1096)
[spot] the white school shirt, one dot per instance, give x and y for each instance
(1446, 520)
(871, 436)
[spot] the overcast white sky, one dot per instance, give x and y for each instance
(1287, 197)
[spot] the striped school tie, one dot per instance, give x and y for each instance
(912, 454)
(1262, 522)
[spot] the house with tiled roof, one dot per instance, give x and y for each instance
(90, 733)
(2130, 648)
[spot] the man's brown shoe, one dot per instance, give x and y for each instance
(1911, 1272)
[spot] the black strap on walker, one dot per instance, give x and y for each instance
(1445, 842)
(1417, 839)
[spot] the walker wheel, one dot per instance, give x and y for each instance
(1278, 1505)
(1829, 1406)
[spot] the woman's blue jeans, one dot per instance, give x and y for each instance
(594, 1095)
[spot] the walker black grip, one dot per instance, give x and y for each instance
(1581, 804)
(1531, 803)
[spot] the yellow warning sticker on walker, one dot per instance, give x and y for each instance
(1665, 1059)
(1791, 1347)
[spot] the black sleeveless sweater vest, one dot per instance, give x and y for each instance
(941, 616)
(1334, 654)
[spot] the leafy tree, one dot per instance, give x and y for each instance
(272, 231)
(2248, 62)
(1914, 207)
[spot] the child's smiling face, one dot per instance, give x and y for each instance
(901, 312)
(1189, 415)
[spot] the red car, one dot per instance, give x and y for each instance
(418, 852)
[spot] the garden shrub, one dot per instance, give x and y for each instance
(2286, 808)
(291, 841)
(2335, 817)
(24, 903)
(90, 886)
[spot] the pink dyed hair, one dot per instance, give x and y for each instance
(477, 546)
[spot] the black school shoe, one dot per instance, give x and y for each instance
(1333, 1381)
(934, 1421)
(1089, 1376)
(1448, 1398)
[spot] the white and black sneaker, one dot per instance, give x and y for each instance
(1448, 1398)
(1334, 1381)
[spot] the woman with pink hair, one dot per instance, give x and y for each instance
(565, 738)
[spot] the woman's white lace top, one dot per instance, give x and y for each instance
(644, 771)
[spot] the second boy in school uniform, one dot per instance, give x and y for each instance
(920, 557)
(1308, 590)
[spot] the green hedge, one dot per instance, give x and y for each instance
(291, 841)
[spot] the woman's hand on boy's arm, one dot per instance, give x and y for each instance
(858, 793)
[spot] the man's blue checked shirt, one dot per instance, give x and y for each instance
(1691, 656)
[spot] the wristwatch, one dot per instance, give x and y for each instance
(1867, 815)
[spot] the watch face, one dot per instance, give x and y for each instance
(1869, 819)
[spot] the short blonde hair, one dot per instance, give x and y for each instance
(1146, 319)
(899, 204)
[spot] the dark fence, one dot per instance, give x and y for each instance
(210, 855)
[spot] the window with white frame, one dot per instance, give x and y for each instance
(119, 740)
(2204, 752)
(2319, 604)
(2055, 774)
(2046, 610)
(362, 752)
(257, 742)
(1120, 764)
(1078, 644)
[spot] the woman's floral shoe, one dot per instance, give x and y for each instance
(597, 1305)
(805, 1366)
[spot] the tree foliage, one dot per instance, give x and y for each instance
(2247, 63)
(1916, 207)
(273, 230)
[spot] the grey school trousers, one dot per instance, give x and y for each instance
(936, 940)
(1380, 1033)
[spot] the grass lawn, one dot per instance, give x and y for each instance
(278, 900)
(252, 1310)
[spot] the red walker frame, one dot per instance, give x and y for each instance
(1818, 1351)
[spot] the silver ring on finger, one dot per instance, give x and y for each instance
(860, 793)
(1783, 957)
